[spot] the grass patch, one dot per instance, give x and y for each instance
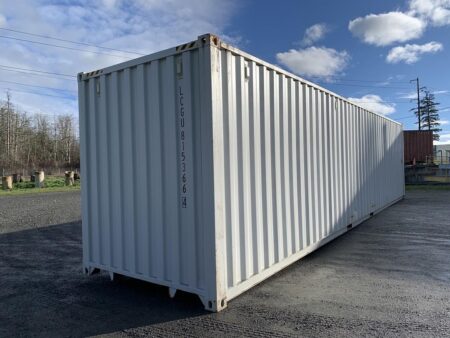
(52, 184)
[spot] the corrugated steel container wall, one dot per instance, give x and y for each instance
(145, 171)
(208, 170)
(299, 164)
(418, 145)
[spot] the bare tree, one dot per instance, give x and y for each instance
(36, 141)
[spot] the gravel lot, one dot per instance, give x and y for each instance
(390, 276)
(29, 211)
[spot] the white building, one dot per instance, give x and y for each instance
(442, 153)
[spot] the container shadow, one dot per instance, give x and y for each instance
(43, 291)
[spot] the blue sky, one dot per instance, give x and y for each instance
(364, 50)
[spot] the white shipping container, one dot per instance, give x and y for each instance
(207, 170)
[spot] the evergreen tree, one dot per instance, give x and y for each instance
(429, 115)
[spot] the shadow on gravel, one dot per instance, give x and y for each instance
(44, 292)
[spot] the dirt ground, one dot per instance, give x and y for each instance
(390, 276)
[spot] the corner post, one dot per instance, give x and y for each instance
(213, 164)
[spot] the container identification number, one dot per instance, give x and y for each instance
(184, 180)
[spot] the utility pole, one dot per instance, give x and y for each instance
(418, 99)
(428, 110)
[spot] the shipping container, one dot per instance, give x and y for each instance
(208, 170)
(418, 146)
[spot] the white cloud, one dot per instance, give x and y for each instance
(443, 139)
(374, 103)
(444, 122)
(318, 62)
(2, 20)
(411, 95)
(437, 12)
(145, 26)
(314, 34)
(411, 53)
(438, 92)
(386, 28)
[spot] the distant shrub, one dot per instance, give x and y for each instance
(54, 182)
(23, 185)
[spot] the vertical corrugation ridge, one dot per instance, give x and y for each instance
(356, 191)
(197, 93)
(234, 168)
(274, 245)
(363, 163)
(266, 168)
(254, 165)
(319, 151)
(309, 217)
(241, 225)
(331, 167)
(362, 158)
(300, 206)
(97, 165)
(103, 178)
(134, 165)
(282, 148)
(83, 89)
(141, 170)
(246, 206)
(294, 173)
(226, 79)
(341, 159)
(171, 172)
(259, 191)
(285, 159)
(146, 240)
(107, 92)
(326, 162)
(361, 192)
(350, 140)
(188, 230)
(312, 143)
(116, 186)
(155, 166)
(127, 155)
(338, 154)
(93, 184)
(278, 231)
(165, 258)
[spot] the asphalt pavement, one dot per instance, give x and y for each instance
(388, 277)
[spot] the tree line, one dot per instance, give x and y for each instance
(31, 142)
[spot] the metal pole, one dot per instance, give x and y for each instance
(418, 101)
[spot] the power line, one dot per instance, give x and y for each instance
(40, 94)
(36, 86)
(35, 74)
(357, 102)
(356, 80)
(65, 47)
(70, 41)
(37, 71)
(368, 86)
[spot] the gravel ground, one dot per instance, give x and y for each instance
(19, 212)
(389, 277)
